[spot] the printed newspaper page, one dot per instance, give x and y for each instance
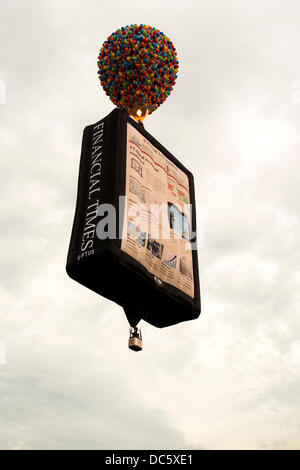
(157, 218)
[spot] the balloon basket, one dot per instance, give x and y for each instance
(135, 342)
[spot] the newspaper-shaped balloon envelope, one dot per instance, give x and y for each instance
(134, 232)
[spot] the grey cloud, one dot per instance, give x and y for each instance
(227, 380)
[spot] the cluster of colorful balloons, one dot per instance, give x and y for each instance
(138, 67)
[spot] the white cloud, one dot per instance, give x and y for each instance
(228, 380)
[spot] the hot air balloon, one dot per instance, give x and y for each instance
(137, 69)
(134, 232)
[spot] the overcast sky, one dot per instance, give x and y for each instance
(229, 380)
